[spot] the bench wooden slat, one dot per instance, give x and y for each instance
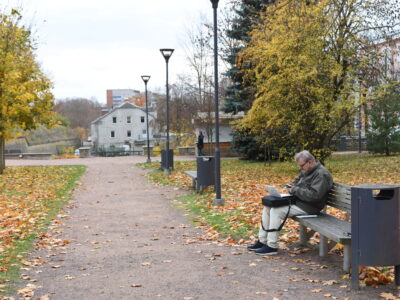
(192, 174)
(329, 226)
(340, 197)
(340, 205)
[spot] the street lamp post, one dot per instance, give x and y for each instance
(166, 52)
(218, 199)
(146, 78)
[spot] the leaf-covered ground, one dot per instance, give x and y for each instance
(243, 186)
(30, 197)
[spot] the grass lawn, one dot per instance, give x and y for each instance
(30, 197)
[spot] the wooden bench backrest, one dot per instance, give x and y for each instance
(340, 197)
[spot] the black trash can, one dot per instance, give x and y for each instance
(164, 159)
(375, 228)
(205, 171)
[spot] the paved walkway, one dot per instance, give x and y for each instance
(121, 238)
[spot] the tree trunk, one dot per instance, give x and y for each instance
(2, 157)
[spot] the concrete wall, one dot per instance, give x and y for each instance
(56, 147)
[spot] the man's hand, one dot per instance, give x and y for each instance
(288, 187)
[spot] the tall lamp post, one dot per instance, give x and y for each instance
(218, 199)
(146, 78)
(166, 52)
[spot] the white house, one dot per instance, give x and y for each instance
(123, 125)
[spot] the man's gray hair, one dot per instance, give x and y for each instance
(305, 155)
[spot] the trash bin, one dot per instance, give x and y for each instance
(375, 228)
(84, 152)
(164, 159)
(205, 171)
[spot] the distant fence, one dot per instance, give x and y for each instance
(347, 143)
(110, 153)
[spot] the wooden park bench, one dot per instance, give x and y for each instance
(330, 227)
(195, 183)
(193, 175)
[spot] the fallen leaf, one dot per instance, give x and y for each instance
(56, 267)
(252, 264)
(388, 296)
(330, 282)
(316, 291)
(136, 285)
(218, 255)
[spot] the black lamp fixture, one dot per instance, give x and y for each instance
(167, 53)
(146, 79)
(218, 199)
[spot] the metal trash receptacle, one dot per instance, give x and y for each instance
(375, 228)
(205, 171)
(164, 159)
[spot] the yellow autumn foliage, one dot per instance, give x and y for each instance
(25, 96)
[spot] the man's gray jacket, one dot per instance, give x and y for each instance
(311, 189)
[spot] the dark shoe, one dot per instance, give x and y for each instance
(266, 250)
(255, 246)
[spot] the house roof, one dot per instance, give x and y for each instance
(124, 105)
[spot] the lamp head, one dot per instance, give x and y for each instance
(214, 3)
(145, 78)
(166, 52)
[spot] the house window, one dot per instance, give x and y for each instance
(144, 131)
(112, 133)
(128, 119)
(114, 119)
(129, 133)
(142, 119)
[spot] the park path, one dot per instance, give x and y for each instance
(122, 238)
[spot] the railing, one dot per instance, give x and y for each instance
(119, 153)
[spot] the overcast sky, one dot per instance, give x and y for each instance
(89, 46)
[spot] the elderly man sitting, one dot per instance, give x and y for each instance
(310, 189)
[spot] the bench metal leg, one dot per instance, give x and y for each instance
(397, 275)
(197, 186)
(303, 235)
(346, 258)
(323, 245)
(194, 183)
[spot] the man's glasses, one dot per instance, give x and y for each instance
(302, 166)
